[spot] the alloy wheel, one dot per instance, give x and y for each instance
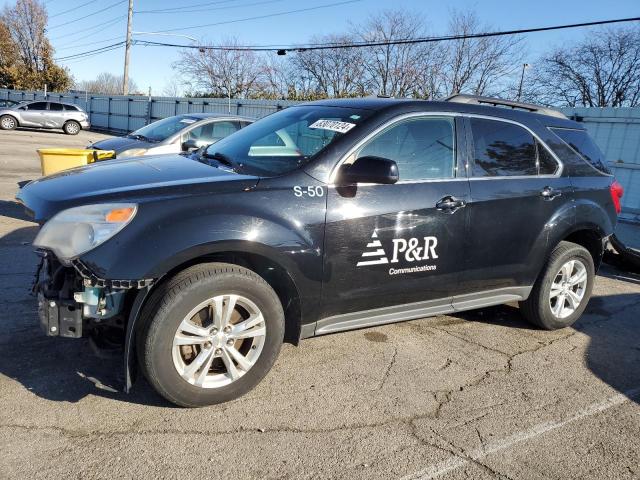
(219, 341)
(8, 123)
(568, 288)
(72, 128)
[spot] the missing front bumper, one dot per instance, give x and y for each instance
(59, 320)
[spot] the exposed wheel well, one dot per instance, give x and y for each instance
(273, 273)
(592, 241)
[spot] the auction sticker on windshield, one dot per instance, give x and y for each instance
(333, 125)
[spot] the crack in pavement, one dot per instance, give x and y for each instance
(389, 367)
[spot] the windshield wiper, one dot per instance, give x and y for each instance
(137, 136)
(224, 159)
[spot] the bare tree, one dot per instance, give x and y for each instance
(174, 87)
(603, 70)
(222, 73)
(402, 69)
(479, 66)
(280, 79)
(106, 83)
(334, 72)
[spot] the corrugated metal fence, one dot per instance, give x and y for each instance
(119, 113)
(615, 130)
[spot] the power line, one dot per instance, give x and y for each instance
(270, 15)
(173, 9)
(334, 45)
(89, 15)
(319, 46)
(106, 40)
(182, 10)
(92, 28)
(113, 46)
(72, 9)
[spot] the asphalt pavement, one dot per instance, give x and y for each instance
(477, 395)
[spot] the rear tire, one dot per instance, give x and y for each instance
(563, 288)
(210, 334)
(7, 122)
(71, 127)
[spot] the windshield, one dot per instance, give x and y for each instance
(163, 129)
(286, 140)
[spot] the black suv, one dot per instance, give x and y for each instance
(323, 217)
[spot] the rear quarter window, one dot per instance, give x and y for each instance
(580, 142)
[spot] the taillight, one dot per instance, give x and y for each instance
(616, 194)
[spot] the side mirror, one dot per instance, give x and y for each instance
(189, 145)
(369, 170)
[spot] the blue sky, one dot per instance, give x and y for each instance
(151, 66)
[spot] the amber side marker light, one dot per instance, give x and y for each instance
(119, 215)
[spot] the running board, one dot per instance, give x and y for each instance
(412, 311)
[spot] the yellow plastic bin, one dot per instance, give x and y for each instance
(55, 160)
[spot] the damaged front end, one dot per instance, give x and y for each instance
(74, 303)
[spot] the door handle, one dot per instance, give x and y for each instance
(450, 204)
(548, 193)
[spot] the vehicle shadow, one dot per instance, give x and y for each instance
(11, 209)
(611, 323)
(67, 370)
(58, 369)
(41, 130)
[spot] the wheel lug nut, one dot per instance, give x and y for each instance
(207, 345)
(227, 329)
(214, 331)
(230, 342)
(218, 351)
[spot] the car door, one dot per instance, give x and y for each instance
(392, 245)
(55, 117)
(34, 114)
(516, 186)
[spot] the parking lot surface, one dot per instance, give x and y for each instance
(475, 395)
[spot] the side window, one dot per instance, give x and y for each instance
(56, 107)
(224, 129)
(212, 132)
(71, 108)
(581, 143)
(271, 140)
(547, 165)
(502, 149)
(37, 106)
(423, 148)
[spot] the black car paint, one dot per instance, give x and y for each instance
(189, 211)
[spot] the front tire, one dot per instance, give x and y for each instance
(563, 288)
(210, 334)
(71, 127)
(7, 122)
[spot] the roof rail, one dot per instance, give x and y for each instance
(498, 102)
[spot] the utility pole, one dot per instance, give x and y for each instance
(127, 50)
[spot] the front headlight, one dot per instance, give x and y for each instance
(77, 230)
(132, 152)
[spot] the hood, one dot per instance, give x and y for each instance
(131, 179)
(120, 144)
